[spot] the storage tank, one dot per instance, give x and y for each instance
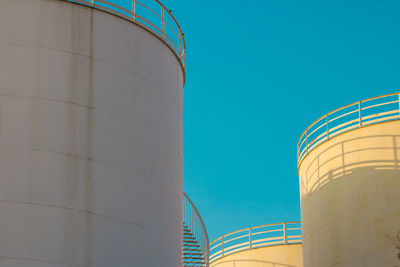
(272, 245)
(350, 185)
(90, 134)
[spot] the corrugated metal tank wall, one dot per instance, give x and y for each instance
(350, 199)
(90, 140)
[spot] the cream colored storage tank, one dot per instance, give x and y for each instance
(273, 245)
(349, 172)
(90, 137)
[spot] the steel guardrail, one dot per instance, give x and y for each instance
(256, 237)
(193, 221)
(350, 117)
(152, 15)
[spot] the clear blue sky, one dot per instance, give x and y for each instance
(259, 72)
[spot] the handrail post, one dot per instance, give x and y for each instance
(327, 127)
(250, 237)
(284, 233)
(307, 140)
(163, 21)
(92, 3)
(222, 248)
(180, 43)
(399, 102)
(134, 10)
(359, 113)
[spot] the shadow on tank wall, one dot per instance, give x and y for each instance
(348, 160)
(349, 218)
(350, 195)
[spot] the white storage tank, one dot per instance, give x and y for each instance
(90, 136)
(349, 171)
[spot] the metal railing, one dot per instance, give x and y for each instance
(356, 115)
(149, 14)
(196, 248)
(256, 237)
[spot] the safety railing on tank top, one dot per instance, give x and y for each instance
(151, 15)
(196, 244)
(256, 237)
(356, 115)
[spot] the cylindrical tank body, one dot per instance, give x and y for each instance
(350, 193)
(271, 256)
(90, 140)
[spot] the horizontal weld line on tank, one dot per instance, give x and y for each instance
(143, 176)
(325, 179)
(340, 155)
(132, 122)
(359, 128)
(147, 79)
(90, 212)
(347, 217)
(351, 166)
(360, 255)
(43, 260)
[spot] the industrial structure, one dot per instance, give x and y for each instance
(349, 172)
(91, 100)
(91, 134)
